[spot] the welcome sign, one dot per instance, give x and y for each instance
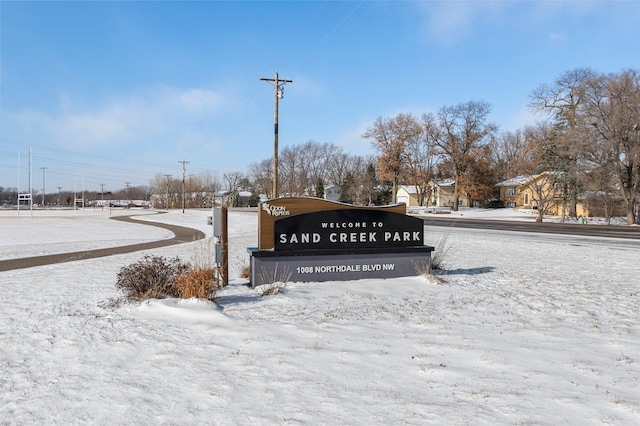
(347, 229)
(310, 239)
(275, 210)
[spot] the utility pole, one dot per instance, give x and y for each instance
(279, 94)
(126, 189)
(166, 201)
(43, 187)
(102, 194)
(59, 189)
(184, 169)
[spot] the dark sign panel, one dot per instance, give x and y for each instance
(346, 229)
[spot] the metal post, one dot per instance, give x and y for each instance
(43, 187)
(224, 237)
(184, 163)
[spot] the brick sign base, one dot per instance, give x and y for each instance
(268, 267)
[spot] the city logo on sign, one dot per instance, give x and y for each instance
(275, 210)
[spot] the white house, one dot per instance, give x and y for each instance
(332, 193)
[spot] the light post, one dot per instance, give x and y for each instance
(102, 195)
(43, 187)
(184, 169)
(166, 201)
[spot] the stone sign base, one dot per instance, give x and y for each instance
(267, 267)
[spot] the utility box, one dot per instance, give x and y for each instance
(217, 222)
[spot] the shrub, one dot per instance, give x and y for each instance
(151, 277)
(198, 283)
(242, 267)
(442, 253)
(245, 271)
(271, 289)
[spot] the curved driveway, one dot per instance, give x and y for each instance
(181, 235)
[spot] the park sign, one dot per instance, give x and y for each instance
(288, 214)
(311, 239)
(348, 229)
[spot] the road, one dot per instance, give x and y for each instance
(602, 236)
(627, 232)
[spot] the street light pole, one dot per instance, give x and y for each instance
(166, 201)
(279, 94)
(43, 187)
(102, 195)
(184, 163)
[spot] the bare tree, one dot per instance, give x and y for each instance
(563, 101)
(614, 112)
(261, 176)
(513, 155)
(460, 131)
(543, 193)
(337, 167)
(390, 137)
(232, 182)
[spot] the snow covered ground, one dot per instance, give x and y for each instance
(520, 329)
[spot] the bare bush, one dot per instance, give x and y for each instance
(278, 276)
(442, 253)
(422, 266)
(242, 267)
(198, 283)
(151, 277)
(271, 289)
(203, 254)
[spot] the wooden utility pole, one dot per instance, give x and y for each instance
(279, 94)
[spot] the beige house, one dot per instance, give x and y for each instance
(407, 194)
(514, 193)
(443, 192)
(441, 195)
(528, 192)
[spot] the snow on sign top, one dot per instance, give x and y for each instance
(276, 209)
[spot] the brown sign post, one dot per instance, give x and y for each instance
(310, 239)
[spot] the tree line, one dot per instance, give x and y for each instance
(587, 138)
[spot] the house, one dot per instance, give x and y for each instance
(332, 193)
(443, 194)
(533, 192)
(528, 192)
(514, 192)
(408, 194)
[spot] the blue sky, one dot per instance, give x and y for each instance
(115, 92)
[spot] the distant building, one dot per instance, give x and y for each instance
(522, 192)
(332, 193)
(407, 194)
(443, 194)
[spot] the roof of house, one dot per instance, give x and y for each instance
(518, 180)
(445, 182)
(409, 189)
